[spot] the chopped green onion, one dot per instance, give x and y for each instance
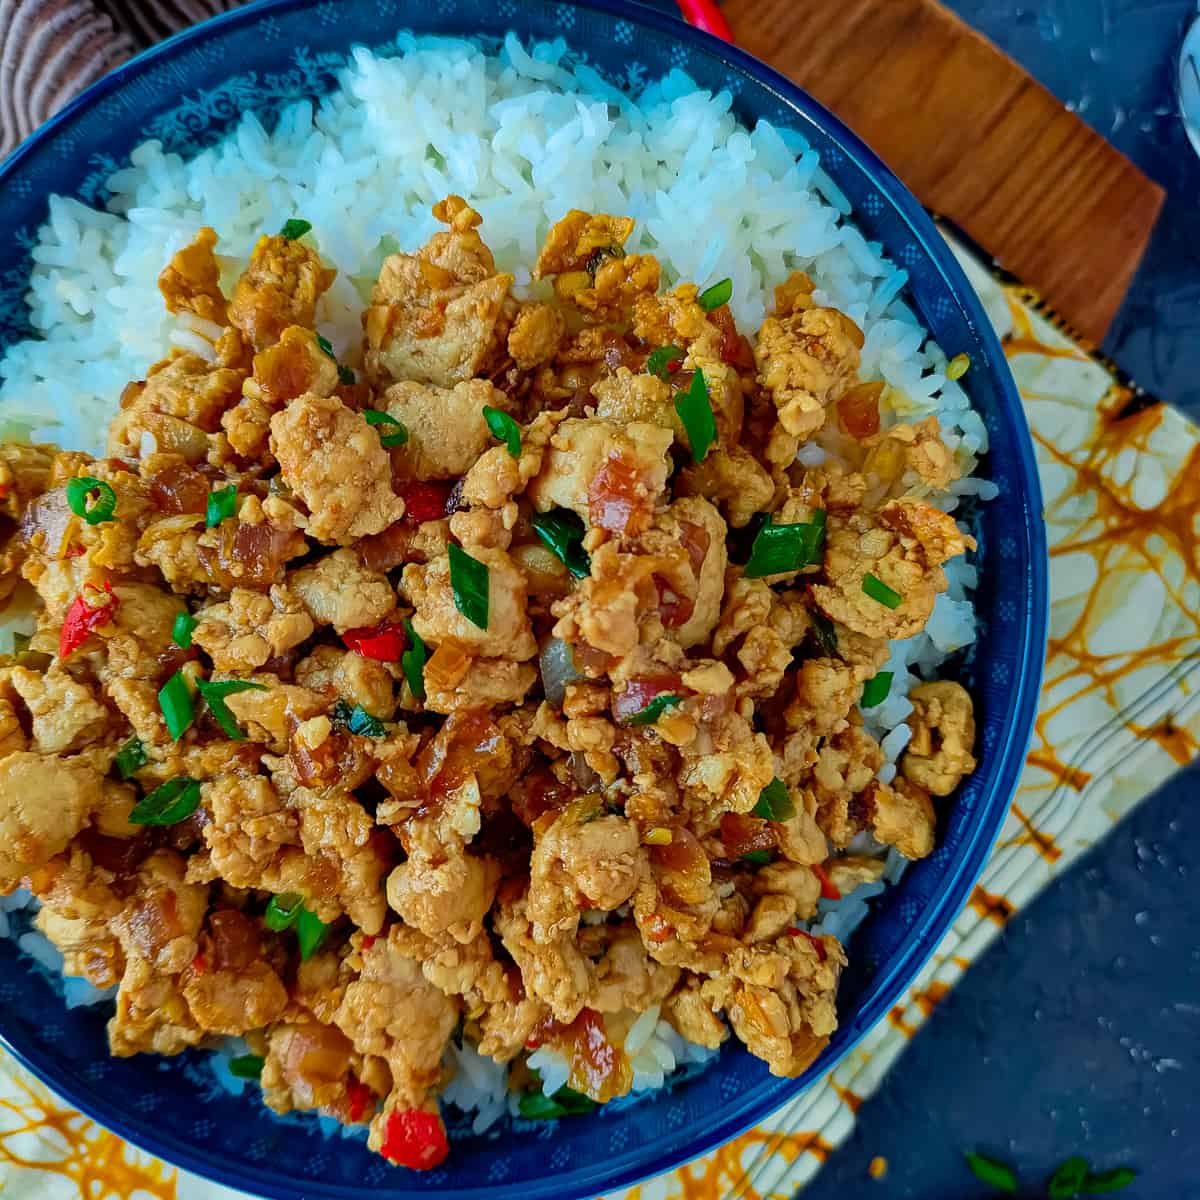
(221, 504)
(79, 498)
(326, 346)
(412, 661)
(880, 592)
(718, 294)
(661, 360)
(504, 429)
(175, 701)
(391, 432)
(246, 1066)
(346, 376)
(781, 549)
(958, 366)
(824, 631)
(695, 411)
(1108, 1181)
(283, 911)
(311, 933)
(1068, 1179)
(654, 709)
(131, 758)
(597, 257)
(21, 644)
(294, 227)
(169, 804)
(757, 858)
(875, 691)
(181, 630)
(356, 720)
(469, 582)
(562, 532)
(566, 1102)
(214, 696)
(994, 1174)
(774, 802)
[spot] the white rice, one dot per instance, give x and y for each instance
(524, 136)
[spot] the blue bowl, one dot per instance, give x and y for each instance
(187, 92)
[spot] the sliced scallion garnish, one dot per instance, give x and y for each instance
(92, 499)
(412, 662)
(469, 583)
(780, 549)
(695, 411)
(661, 361)
(221, 504)
(774, 802)
(346, 375)
(562, 532)
(504, 429)
(757, 858)
(178, 708)
(311, 933)
(715, 296)
(825, 633)
(357, 720)
(246, 1066)
(282, 911)
(654, 709)
(391, 432)
(994, 1174)
(881, 593)
(326, 346)
(566, 1102)
(875, 691)
(169, 804)
(214, 696)
(131, 758)
(294, 227)
(181, 630)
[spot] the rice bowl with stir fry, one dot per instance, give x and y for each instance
(493, 656)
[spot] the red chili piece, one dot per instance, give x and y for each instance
(829, 889)
(415, 1139)
(385, 642)
(818, 945)
(425, 501)
(359, 1096)
(82, 618)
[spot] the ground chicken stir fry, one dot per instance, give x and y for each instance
(500, 686)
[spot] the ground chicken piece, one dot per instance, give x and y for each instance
(911, 459)
(249, 826)
(612, 291)
(176, 410)
(726, 769)
(307, 1066)
(572, 242)
(939, 753)
(535, 335)
(296, 365)
(806, 359)
(826, 690)
(355, 679)
(734, 480)
(270, 716)
(487, 527)
(556, 973)
(152, 1014)
(447, 431)
(901, 815)
(608, 474)
(852, 871)
(696, 526)
(144, 618)
(846, 766)
(161, 919)
(690, 1015)
(437, 618)
(904, 551)
(771, 916)
(332, 459)
(279, 287)
(496, 477)
(444, 890)
(65, 715)
(24, 475)
(626, 397)
(44, 803)
(582, 858)
(797, 882)
(12, 735)
(800, 838)
(250, 629)
(747, 606)
(191, 281)
(491, 683)
(338, 590)
(625, 978)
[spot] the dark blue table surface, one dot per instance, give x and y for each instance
(1079, 1032)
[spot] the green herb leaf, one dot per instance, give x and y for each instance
(181, 630)
(346, 376)
(295, 227)
(214, 696)
(824, 632)
(757, 858)
(774, 802)
(326, 346)
(391, 432)
(357, 720)
(469, 582)
(282, 911)
(663, 359)
(311, 933)
(246, 1066)
(169, 804)
(781, 549)
(412, 662)
(21, 644)
(718, 294)
(994, 1174)
(178, 709)
(875, 691)
(566, 1102)
(880, 592)
(1108, 1181)
(504, 429)
(576, 1103)
(695, 411)
(654, 709)
(1068, 1179)
(221, 504)
(92, 499)
(562, 532)
(131, 758)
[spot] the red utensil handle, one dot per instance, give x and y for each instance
(704, 14)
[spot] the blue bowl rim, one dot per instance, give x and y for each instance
(972, 855)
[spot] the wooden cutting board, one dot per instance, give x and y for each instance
(975, 138)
